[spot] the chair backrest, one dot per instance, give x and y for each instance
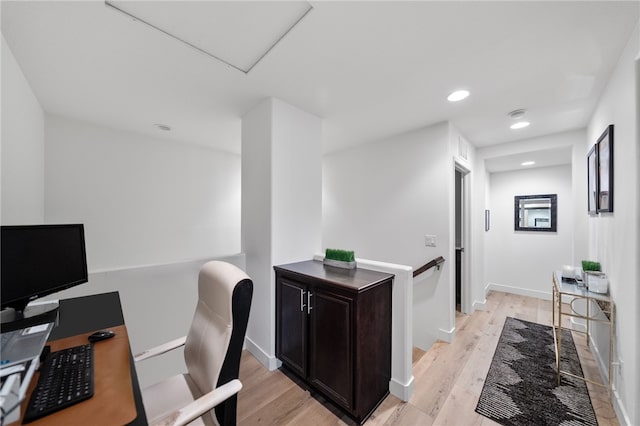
(214, 343)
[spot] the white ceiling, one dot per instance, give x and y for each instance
(253, 27)
(369, 69)
(541, 158)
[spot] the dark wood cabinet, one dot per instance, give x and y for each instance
(330, 348)
(333, 330)
(293, 343)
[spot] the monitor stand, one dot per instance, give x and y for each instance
(40, 313)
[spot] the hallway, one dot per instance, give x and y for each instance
(448, 377)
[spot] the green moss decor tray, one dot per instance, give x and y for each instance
(340, 258)
(340, 263)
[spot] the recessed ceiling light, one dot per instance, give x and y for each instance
(528, 163)
(458, 95)
(520, 125)
(163, 127)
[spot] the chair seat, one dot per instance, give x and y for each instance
(162, 398)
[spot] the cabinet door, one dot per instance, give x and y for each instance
(331, 346)
(291, 327)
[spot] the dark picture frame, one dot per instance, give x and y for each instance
(592, 181)
(605, 171)
(518, 216)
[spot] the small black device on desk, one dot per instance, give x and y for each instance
(101, 335)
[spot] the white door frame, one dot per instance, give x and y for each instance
(465, 290)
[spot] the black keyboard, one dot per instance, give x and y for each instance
(66, 378)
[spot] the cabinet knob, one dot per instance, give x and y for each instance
(309, 307)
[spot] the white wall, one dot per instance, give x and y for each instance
(297, 184)
(22, 147)
(464, 155)
(580, 250)
(381, 199)
(256, 226)
(483, 190)
(143, 201)
(154, 211)
(481, 202)
(519, 261)
(614, 237)
(636, 403)
(281, 205)
(153, 320)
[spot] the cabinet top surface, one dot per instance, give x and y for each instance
(357, 279)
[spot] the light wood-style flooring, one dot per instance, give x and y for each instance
(448, 378)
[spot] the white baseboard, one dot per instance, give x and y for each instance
(603, 369)
(546, 295)
(480, 306)
(401, 391)
(618, 406)
(623, 416)
(270, 362)
(446, 336)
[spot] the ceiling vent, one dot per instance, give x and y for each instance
(517, 113)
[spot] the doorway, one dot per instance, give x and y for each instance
(462, 193)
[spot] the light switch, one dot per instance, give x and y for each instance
(430, 240)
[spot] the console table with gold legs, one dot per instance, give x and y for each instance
(562, 288)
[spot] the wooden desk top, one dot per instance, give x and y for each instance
(117, 399)
(112, 402)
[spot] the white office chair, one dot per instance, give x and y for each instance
(212, 351)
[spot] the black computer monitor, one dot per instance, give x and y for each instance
(38, 260)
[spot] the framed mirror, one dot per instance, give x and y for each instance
(536, 212)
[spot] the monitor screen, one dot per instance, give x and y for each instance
(38, 260)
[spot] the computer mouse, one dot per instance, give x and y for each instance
(101, 335)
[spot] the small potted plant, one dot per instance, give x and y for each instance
(590, 265)
(345, 259)
(591, 269)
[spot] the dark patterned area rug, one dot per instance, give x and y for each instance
(521, 385)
